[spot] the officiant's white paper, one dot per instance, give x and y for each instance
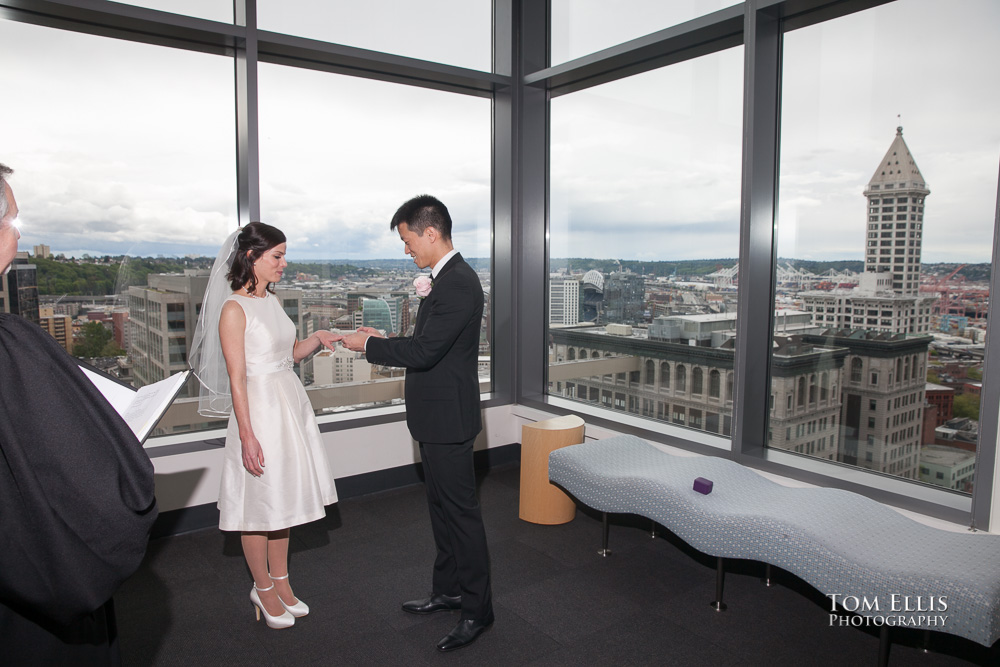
(143, 408)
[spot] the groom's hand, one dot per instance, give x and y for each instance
(374, 332)
(356, 341)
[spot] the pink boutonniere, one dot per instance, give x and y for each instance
(423, 285)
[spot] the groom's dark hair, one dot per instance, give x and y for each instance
(421, 212)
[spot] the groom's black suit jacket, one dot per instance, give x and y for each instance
(441, 358)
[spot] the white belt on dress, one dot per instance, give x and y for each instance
(285, 364)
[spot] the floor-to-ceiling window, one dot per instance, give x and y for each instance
(338, 156)
(858, 358)
(134, 160)
(887, 198)
(644, 243)
(124, 171)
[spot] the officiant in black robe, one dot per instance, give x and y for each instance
(76, 496)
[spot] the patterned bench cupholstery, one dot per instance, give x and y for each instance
(840, 542)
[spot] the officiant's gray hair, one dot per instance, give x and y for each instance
(4, 172)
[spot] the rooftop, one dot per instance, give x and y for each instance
(947, 457)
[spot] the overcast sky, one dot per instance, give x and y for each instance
(123, 147)
(649, 167)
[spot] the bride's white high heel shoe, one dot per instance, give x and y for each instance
(298, 609)
(283, 620)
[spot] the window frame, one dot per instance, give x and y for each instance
(521, 85)
(759, 26)
(247, 46)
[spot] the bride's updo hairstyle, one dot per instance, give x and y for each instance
(255, 239)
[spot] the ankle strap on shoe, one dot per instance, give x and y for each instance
(262, 589)
(276, 578)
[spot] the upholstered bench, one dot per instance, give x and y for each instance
(839, 542)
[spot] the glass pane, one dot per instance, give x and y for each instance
(889, 155)
(645, 204)
(454, 32)
(213, 10)
(339, 155)
(124, 171)
(580, 27)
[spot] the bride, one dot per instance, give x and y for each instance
(275, 474)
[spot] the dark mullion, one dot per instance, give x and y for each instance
(120, 21)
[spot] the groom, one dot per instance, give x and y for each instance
(442, 413)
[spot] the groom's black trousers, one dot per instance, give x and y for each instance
(462, 566)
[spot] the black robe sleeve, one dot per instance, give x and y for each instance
(76, 488)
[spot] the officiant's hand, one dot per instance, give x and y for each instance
(253, 455)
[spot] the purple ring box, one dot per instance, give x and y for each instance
(702, 485)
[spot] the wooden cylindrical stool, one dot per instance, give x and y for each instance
(541, 501)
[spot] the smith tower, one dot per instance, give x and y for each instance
(895, 218)
(887, 298)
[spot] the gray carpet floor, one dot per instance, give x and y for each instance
(556, 601)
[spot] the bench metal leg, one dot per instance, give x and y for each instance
(926, 648)
(767, 581)
(652, 530)
(720, 576)
(883, 646)
(604, 548)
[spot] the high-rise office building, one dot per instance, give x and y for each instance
(896, 194)
(883, 386)
(162, 320)
(625, 298)
(19, 289)
(398, 303)
(384, 313)
(59, 327)
(119, 327)
(850, 396)
(564, 300)
(340, 366)
(887, 297)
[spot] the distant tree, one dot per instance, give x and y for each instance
(97, 342)
(933, 377)
(966, 405)
(56, 277)
(974, 373)
(327, 271)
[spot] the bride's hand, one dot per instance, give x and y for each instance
(253, 456)
(328, 339)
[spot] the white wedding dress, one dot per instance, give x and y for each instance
(296, 484)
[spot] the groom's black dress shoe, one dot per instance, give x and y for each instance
(433, 603)
(463, 634)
